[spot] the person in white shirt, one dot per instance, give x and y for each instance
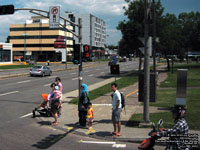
(116, 110)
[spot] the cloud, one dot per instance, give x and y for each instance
(109, 10)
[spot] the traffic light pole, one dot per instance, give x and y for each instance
(80, 56)
(146, 64)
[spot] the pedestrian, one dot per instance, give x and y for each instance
(82, 105)
(90, 115)
(116, 110)
(55, 104)
(59, 84)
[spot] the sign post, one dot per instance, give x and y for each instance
(54, 16)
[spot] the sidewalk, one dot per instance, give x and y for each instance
(102, 125)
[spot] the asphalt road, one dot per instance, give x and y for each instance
(18, 96)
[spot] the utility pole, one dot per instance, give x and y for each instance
(154, 37)
(80, 55)
(146, 62)
(65, 43)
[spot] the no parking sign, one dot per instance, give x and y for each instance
(54, 16)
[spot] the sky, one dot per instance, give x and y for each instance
(111, 11)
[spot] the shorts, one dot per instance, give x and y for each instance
(54, 106)
(116, 115)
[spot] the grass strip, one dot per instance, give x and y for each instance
(122, 82)
(193, 75)
(15, 66)
(167, 99)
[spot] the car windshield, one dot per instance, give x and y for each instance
(37, 67)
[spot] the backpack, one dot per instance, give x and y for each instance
(122, 100)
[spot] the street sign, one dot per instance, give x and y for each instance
(54, 16)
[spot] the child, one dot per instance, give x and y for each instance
(90, 115)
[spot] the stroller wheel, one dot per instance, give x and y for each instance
(33, 113)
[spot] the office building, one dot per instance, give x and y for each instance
(35, 40)
(93, 32)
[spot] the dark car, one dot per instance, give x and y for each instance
(40, 71)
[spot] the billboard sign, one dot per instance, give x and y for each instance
(54, 16)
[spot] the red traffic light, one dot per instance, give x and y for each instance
(7, 9)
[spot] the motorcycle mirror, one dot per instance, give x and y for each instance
(160, 122)
(154, 126)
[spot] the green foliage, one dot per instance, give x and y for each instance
(123, 82)
(15, 66)
(193, 75)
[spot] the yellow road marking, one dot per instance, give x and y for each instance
(131, 93)
(69, 128)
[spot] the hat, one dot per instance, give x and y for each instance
(57, 87)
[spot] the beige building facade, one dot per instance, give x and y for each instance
(34, 40)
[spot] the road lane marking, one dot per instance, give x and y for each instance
(9, 93)
(102, 104)
(102, 72)
(52, 77)
(86, 71)
(75, 79)
(73, 73)
(25, 115)
(96, 142)
(119, 145)
(91, 75)
(131, 93)
(24, 81)
(47, 84)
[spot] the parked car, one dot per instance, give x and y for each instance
(40, 71)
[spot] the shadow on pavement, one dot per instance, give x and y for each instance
(49, 141)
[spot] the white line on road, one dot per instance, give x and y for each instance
(91, 75)
(102, 104)
(25, 115)
(75, 79)
(52, 77)
(73, 73)
(47, 84)
(102, 72)
(86, 71)
(8, 93)
(24, 81)
(119, 145)
(97, 142)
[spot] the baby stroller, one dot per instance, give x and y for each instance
(44, 108)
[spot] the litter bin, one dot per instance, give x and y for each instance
(114, 69)
(152, 88)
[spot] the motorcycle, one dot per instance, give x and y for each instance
(149, 143)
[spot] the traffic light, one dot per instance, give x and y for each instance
(76, 53)
(86, 52)
(7, 9)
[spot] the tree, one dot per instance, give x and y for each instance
(133, 28)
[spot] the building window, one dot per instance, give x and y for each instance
(5, 56)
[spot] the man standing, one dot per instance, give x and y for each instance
(116, 110)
